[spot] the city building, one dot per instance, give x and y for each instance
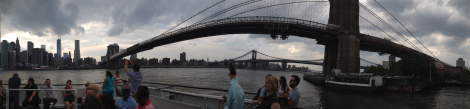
(439, 65)
(453, 70)
(166, 61)
(30, 46)
(88, 61)
(134, 56)
(43, 46)
(461, 63)
(45, 60)
(103, 58)
(76, 53)
(17, 50)
(59, 49)
(51, 59)
(24, 56)
(36, 56)
(183, 57)
(12, 59)
(5, 53)
(12, 45)
(386, 64)
(66, 55)
(175, 62)
(153, 61)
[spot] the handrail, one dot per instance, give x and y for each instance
(42, 91)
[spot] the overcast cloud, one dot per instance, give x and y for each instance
(441, 25)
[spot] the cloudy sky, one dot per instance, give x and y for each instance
(441, 25)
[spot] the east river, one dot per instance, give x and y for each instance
(251, 80)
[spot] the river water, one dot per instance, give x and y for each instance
(251, 80)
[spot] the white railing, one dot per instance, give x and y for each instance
(42, 91)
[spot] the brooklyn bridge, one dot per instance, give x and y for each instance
(344, 27)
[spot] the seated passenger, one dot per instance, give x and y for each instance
(51, 95)
(126, 102)
(69, 98)
(2, 96)
(32, 97)
(143, 98)
(271, 101)
(294, 95)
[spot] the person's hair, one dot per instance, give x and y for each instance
(93, 87)
(275, 85)
(32, 81)
(107, 101)
(297, 79)
(136, 67)
(232, 68)
(117, 72)
(109, 74)
(92, 102)
(15, 74)
(48, 79)
(143, 92)
(283, 83)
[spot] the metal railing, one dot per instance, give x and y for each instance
(42, 92)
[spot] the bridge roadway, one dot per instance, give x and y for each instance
(290, 61)
(271, 25)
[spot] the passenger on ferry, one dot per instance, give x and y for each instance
(283, 88)
(118, 84)
(126, 102)
(271, 101)
(108, 84)
(92, 102)
(135, 76)
(51, 95)
(143, 98)
(2, 96)
(236, 95)
(294, 95)
(32, 97)
(92, 89)
(14, 83)
(69, 97)
(125, 82)
(107, 101)
(262, 92)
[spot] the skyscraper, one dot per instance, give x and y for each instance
(43, 47)
(5, 48)
(24, 56)
(76, 55)
(36, 56)
(59, 49)
(66, 55)
(17, 49)
(30, 46)
(183, 57)
(133, 56)
(461, 63)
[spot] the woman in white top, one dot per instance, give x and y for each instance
(283, 88)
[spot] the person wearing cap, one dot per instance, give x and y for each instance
(126, 102)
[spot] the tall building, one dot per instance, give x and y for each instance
(51, 59)
(166, 61)
(45, 60)
(461, 63)
(30, 46)
(70, 55)
(386, 65)
(183, 57)
(66, 55)
(17, 49)
(12, 59)
(43, 47)
(153, 61)
(59, 49)
(5, 52)
(24, 56)
(36, 56)
(133, 56)
(12, 45)
(76, 53)
(88, 61)
(103, 58)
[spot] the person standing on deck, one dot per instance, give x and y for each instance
(108, 84)
(294, 95)
(118, 84)
(236, 95)
(135, 77)
(14, 83)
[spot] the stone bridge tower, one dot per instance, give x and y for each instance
(343, 53)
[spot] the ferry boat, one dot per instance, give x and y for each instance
(161, 99)
(361, 82)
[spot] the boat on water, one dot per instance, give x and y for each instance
(361, 82)
(161, 99)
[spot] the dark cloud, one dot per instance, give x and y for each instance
(462, 6)
(39, 16)
(219, 40)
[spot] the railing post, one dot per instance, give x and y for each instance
(75, 98)
(205, 102)
(42, 101)
(8, 100)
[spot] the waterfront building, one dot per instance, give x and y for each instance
(43, 47)
(5, 50)
(183, 57)
(51, 59)
(461, 63)
(45, 60)
(12, 59)
(66, 55)
(24, 56)
(175, 62)
(166, 61)
(103, 58)
(76, 53)
(12, 45)
(88, 61)
(153, 61)
(386, 64)
(17, 50)
(134, 56)
(453, 70)
(36, 56)
(59, 49)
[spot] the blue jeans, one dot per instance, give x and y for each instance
(14, 97)
(47, 102)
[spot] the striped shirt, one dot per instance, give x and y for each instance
(118, 81)
(136, 80)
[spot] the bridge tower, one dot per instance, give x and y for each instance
(112, 49)
(253, 57)
(343, 53)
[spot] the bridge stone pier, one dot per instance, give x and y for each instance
(253, 57)
(343, 52)
(112, 49)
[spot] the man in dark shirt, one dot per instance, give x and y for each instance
(14, 83)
